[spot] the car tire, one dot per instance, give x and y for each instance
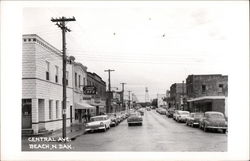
(205, 128)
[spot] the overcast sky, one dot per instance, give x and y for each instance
(150, 44)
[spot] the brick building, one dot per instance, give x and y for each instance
(207, 92)
(178, 95)
(98, 100)
(41, 81)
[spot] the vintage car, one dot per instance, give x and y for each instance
(101, 122)
(213, 120)
(170, 112)
(114, 119)
(141, 111)
(181, 116)
(161, 111)
(194, 119)
(134, 119)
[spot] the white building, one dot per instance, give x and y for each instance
(42, 86)
(160, 100)
(82, 105)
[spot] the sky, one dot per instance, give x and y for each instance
(148, 44)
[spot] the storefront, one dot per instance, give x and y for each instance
(207, 103)
(82, 111)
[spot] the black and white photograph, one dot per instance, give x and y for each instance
(125, 80)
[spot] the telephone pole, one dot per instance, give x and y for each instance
(129, 99)
(60, 22)
(109, 90)
(123, 95)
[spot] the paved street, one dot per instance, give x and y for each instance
(158, 133)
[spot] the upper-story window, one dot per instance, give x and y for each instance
(75, 80)
(203, 88)
(79, 81)
(220, 87)
(67, 78)
(83, 82)
(47, 70)
(56, 76)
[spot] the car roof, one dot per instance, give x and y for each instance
(213, 112)
(99, 116)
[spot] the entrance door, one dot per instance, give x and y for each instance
(97, 110)
(26, 114)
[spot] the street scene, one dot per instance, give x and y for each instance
(125, 79)
(158, 133)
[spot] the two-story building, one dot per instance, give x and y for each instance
(99, 99)
(41, 83)
(207, 93)
(178, 95)
(81, 101)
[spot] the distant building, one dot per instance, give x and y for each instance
(178, 95)
(98, 100)
(42, 87)
(207, 92)
(161, 100)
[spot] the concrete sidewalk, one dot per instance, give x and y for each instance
(72, 132)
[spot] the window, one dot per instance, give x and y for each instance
(84, 81)
(75, 80)
(56, 76)
(203, 88)
(57, 109)
(220, 87)
(50, 109)
(79, 81)
(67, 78)
(47, 70)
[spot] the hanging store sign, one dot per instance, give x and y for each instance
(89, 90)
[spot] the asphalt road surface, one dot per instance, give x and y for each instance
(158, 133)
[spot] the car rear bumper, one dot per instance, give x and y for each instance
(216, 127)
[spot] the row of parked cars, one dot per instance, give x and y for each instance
(206, 121)
(104, 122)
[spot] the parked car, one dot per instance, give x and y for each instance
(101, 122)
(114, 119)
(161, 111)
(181, 116)
(134, 118)
(175, 114)
(213, 120)
(141, 111)
(170, 112)
(194, 119)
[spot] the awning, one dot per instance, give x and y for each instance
(83, 105)
(206, 98)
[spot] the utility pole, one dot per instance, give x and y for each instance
(109, 90)
(60, 22)
(129, 99)
(123, 95)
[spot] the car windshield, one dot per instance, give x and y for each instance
(183, 113)
(198, 114)
(215, 115)
(97, 119)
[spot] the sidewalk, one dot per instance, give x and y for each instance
(72, 132)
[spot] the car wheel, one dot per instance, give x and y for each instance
(205, 128)
(104, 130)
